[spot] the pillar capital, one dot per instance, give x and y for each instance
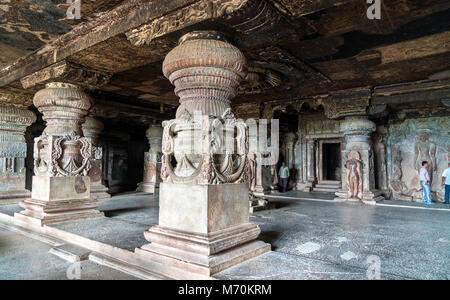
(64, 107)
(154, 135)
(92, 128)
(357, 125)
(206, 71)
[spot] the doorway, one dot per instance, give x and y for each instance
(331, 161)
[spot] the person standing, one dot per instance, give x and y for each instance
(446, 183)
(284, 176)
(425, 183)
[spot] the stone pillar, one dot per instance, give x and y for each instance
(91, 130)
(152, 161)
(62, 159)
(204, 224)
(358, 178)
(13, 152)
(311, 166)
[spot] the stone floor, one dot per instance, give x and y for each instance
(310, 239)
(26, 258)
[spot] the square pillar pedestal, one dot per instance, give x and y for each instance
(203, 229)
(59, 199)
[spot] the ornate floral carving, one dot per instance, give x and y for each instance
(62, 150)
(68, 160)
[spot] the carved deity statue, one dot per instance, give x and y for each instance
(399, 189)
(354, 176)
(425, 150)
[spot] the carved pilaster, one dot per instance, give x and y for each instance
(13, 152)
(62, 159)
(92, 129)
(358, 177)
(311, 146)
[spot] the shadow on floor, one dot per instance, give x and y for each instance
(270, 237)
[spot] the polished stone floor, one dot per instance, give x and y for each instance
(310, 239)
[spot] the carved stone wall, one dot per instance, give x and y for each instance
(408, 144)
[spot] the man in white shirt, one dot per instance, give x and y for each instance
(446, 183)
(425, 183)
(284, 176)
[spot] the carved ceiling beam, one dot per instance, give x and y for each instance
(65, 71)
(345, 103)
(16, 98)
(111, 109)
(192, 14)
(123, 18)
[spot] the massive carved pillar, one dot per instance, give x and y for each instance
(204, 222)
(13, 152)
(152, 161)
(91, 130)
(311, 166)
(358, 178)
(62, 159)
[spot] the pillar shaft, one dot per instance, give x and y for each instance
(62, 159)
(13, 152)
(92, 129)
(204, 223)
(311, 166)
(152, 161)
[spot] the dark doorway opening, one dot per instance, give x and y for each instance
(331, 161)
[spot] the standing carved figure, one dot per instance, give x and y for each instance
(353, 166)
(425, 150)
(399, 189)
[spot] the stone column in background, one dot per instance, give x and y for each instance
(62, 159)
(152, 161)
(311, 166)
(13, 152)
(92, 129)
(204, 224)
(358, 178)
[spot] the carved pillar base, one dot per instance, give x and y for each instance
(152, 177)
(202, 229)
(99, 192)
(310, 183)
(258, 204)
(12, 197)
(59, 199)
